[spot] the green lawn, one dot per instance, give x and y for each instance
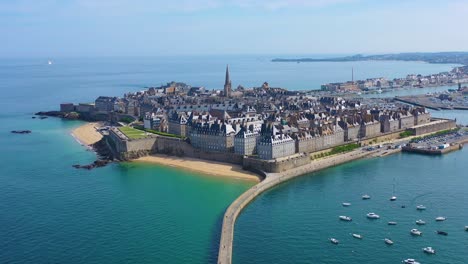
(132, 133)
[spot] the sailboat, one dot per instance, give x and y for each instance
(393, 198)
(49, 62)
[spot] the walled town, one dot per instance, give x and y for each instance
(264, 129)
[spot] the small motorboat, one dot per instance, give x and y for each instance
(388, 241)
(334, 241)
(466, 228)
(420, 207)
(415, 232)
(440, 219)
(403, 206)
(373, 216)
(393, 198)
(345, 218)
(410, 261)
(442, 233)
(420, 222)
(429, 250)
(346, 204)
(358, 236)
(392, 223)
(366, 197)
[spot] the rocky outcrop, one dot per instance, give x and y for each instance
(21, 131)
(71, 115)
(95, 164)
(103, 153)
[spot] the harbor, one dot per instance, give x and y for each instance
(438, 144)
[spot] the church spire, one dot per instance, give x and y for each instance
(227, 83)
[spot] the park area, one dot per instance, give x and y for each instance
(132, 133)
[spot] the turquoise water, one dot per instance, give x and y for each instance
(136, 213)
(123, 213)
(293, 222)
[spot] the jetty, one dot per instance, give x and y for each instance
(273, 179)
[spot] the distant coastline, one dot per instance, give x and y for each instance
(438, 57)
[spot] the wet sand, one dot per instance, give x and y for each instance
(87, 134)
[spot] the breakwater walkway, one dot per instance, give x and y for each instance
(273, 179)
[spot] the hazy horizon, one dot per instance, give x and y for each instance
(80, 28)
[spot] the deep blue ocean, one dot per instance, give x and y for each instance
(135, 213)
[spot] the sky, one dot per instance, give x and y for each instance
(51, 28)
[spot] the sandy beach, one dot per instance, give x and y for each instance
(202, 166)
(87, 133)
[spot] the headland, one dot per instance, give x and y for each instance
(275, 133)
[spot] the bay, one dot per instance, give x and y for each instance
(135, 213)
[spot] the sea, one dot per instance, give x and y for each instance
(51, 212)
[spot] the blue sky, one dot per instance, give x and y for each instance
(52, 28)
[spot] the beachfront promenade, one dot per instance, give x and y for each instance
(273, 179)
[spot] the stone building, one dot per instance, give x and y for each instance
(274, 144)
(209, 137)
(105, 103)
(177, 124)
(245, 141)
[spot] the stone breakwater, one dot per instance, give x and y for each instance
(272, 180)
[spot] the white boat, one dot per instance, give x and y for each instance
(392, 223)
(388, 241)
(345, 218)
(373, 216)
(466, 228)
(49, 62)
(334, 241)
(366, 197)
(358, 236)
(420, 222)
(421, 207)
(410, 261)
(415, 232)
(346, 204)
(393, 198)
(440, 218)
(429, 250)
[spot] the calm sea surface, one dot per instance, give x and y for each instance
(134, 213)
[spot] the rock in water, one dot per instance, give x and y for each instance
(21, 131)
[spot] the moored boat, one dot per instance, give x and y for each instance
(345, 218)
(442, 233)
(420, 222)
(415, 232)
(346, 204)
(358, 236)
(373, 216)
(334, 241)
(393, 198)
(466, 228)
(392, 223)
(429, 250)
(440, 219)
(410, 261)
(388, 241)
(420, 207)
(366, 197)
